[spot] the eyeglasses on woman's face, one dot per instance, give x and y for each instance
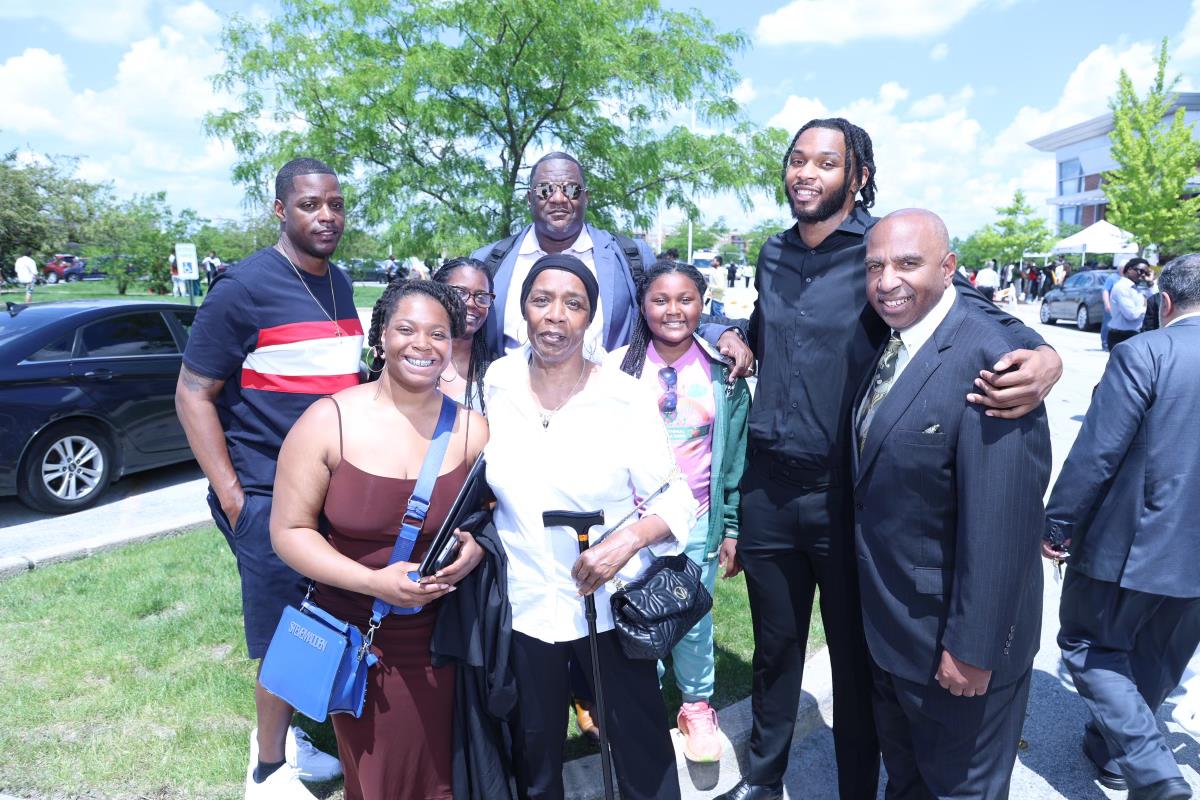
(480, 298)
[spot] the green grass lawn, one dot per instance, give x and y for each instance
(126, 674)
(364, 296)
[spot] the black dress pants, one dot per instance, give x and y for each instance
(1126, 651)
(797, 536)
(940, 747)
(638, 734)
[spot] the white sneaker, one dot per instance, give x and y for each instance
(302, 755)
(283, 784)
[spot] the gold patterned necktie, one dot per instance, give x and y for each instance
(885, 376)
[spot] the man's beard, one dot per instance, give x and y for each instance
(826, 207)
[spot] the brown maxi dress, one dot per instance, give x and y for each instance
(401, 746)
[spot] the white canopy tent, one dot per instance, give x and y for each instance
(1102, 237)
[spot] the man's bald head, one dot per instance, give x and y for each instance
(923, 217)
(909, 265)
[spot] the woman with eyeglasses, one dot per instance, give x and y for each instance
(566, 435)
(706, 417)
(462, 380)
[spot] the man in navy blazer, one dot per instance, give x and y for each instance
(947, 527)
(558, 198)
(1126, 507)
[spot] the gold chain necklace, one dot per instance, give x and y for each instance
(545, 415)
(337, 330)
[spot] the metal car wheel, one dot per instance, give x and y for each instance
(52, 277)
(1081, 318)
(1044, 314)
(67, 468)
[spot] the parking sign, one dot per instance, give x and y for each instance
(186, 262)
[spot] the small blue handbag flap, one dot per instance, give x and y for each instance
(302, 662)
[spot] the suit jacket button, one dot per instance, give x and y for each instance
(1006, 651)
(858, 506)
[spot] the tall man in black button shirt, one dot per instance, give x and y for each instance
(815, 337)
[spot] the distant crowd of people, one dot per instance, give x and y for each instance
(888, 459)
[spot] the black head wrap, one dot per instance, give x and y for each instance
(567, 263)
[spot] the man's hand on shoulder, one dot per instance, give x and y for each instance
(960, 678)
(733, 346)
(1018, 382)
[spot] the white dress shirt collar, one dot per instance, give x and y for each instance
(916, 335)
(531, 245)
(1182, 317)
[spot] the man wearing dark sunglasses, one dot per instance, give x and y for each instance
(558, 198)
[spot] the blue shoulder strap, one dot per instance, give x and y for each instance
(418, 504)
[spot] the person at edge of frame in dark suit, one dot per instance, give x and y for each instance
(1125, 509)
(946, 537)
(815, 337)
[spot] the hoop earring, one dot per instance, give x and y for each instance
(376, 357)
(523, 329)
(589, 352)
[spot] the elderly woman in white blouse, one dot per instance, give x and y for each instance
(567, 435)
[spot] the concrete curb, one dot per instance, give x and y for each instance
(13, 565)
(582, 777)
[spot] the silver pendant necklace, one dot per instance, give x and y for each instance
(337, 330)
(545, 415)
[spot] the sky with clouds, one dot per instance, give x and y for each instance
(951, 91)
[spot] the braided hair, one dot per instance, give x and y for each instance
(481, 355)
(859, 153)
(639, 342)
(385, 306)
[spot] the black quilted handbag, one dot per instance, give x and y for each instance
(654, 611)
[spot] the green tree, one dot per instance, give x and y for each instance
(140, 234)
(757, 236)
(233, 240)
(1018, 229)
(1154, 162)
(431, 108)
(704, 237)
(45, 208)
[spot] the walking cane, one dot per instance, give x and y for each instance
(582, 522)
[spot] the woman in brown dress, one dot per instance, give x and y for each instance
(354, 460)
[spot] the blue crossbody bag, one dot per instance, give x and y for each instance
(317, 662)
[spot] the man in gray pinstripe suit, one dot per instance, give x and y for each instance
(947, 539)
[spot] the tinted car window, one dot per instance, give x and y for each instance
(185, 318)
(58, 350)
(1074, 281)
(128, 335)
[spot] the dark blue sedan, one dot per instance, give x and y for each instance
(87, 395)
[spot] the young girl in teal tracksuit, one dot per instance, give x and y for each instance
(706, 417)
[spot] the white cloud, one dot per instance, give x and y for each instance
(110, 22)
(939, 52)
(841, 21)
(1188, 42)
(744, 92)
(937, 104)
(932, 152)
(144, 130)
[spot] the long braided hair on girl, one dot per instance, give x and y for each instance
(481, 356)
(385, 306)
(635, 356)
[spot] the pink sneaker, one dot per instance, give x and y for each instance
(701, 735)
